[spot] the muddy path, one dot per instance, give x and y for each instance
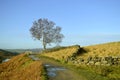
(57, 71)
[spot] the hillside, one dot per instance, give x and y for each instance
(5, 54)
(22, 67)
(102, 50)
(63, 53)
(102, 59)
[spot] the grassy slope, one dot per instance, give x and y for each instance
(5, 54)
(102, 50)
(62, 53)
(22, 67)
(71, 51)
(108, 49)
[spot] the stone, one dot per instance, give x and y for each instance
(104, 62)
(89, 58)
(72, 58)
(85, 62)
(98, 63)
(75, 62)
(108, 65)
(81, 60)
(91, 62)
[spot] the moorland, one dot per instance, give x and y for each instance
(96, 62)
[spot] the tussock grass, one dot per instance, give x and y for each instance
(102, 50)
(22, 67)
(62, 53)
(109, 72)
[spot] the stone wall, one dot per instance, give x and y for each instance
(107, 61)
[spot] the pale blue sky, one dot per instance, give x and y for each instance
(83, 22)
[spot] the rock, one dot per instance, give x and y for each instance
(88, 64)
(108, 65)
(81, 60)
(72, 58)
(104, 62)
(115, 63)
(89, 58)
(103, 59)
(91, 62)
(75, 62)
(106, 58)
(98, 63)
(85, 62)
(118, 62)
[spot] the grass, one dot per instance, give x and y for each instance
(85, 72)
(22, 67)
(90, 72)
(112, 72)
(63, 53)
(102, 50)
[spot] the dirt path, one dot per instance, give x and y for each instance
(57, 71)
(66, 75)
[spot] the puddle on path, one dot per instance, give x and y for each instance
(56, 72)
(52, 70)
(34, 57)
(5, 60)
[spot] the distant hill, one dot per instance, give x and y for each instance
(23, 50)
(5, 54)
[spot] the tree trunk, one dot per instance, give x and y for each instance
(44, 45)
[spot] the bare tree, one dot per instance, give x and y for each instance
(46, 31)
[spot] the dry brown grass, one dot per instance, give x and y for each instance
(102, 50)
(21, 67)
(63, 53)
